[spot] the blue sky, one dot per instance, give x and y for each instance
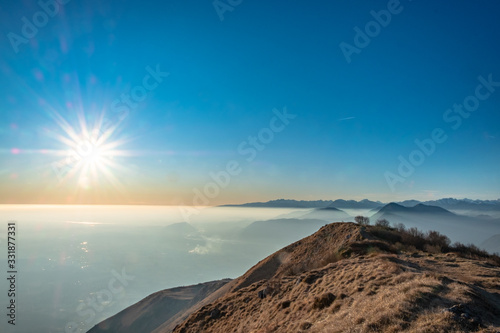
(352, 120)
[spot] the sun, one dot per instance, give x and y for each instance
(89, 156)
(90, 153)
(90, 159)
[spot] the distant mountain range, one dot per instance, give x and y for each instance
(466, 204)
(286, 203)
(289, 203)
(446, 203)
(461, 223)
(352, 204)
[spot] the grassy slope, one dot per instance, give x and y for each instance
(345, 278)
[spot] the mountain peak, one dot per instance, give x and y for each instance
(391, 207)
(430, 209)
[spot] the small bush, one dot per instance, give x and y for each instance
(414, 237)
(285, 304)
(389, 235)
(469, 250)
(473, 252)
(331, 258)
(324, 301)
(433, 248)
(409, 248)
(369, 247)
(305, 326)
(434, 238)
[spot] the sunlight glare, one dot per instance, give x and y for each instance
(89, 154)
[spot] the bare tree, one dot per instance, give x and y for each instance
(382, 223)
(363, 220)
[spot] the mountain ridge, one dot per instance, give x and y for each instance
(446, 203)
(346, 277)
(351, 277)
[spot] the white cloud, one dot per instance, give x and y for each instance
(346, 118)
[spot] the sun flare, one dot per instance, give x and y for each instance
(89, 154)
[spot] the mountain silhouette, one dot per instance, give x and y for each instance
(393, 208)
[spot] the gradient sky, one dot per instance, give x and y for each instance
(352, 120)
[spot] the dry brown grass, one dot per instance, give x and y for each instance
(352, 282)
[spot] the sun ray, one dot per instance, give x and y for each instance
(88, 159)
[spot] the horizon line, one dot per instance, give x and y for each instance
(228, 204)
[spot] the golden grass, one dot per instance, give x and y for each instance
(353, 286)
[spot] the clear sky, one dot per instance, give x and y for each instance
(148, 101)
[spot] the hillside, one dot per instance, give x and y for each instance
(161, 308)
(492, 244)
(347, 278)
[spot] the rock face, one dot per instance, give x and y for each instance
(345, 278)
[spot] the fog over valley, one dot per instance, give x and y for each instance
(97, 260)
